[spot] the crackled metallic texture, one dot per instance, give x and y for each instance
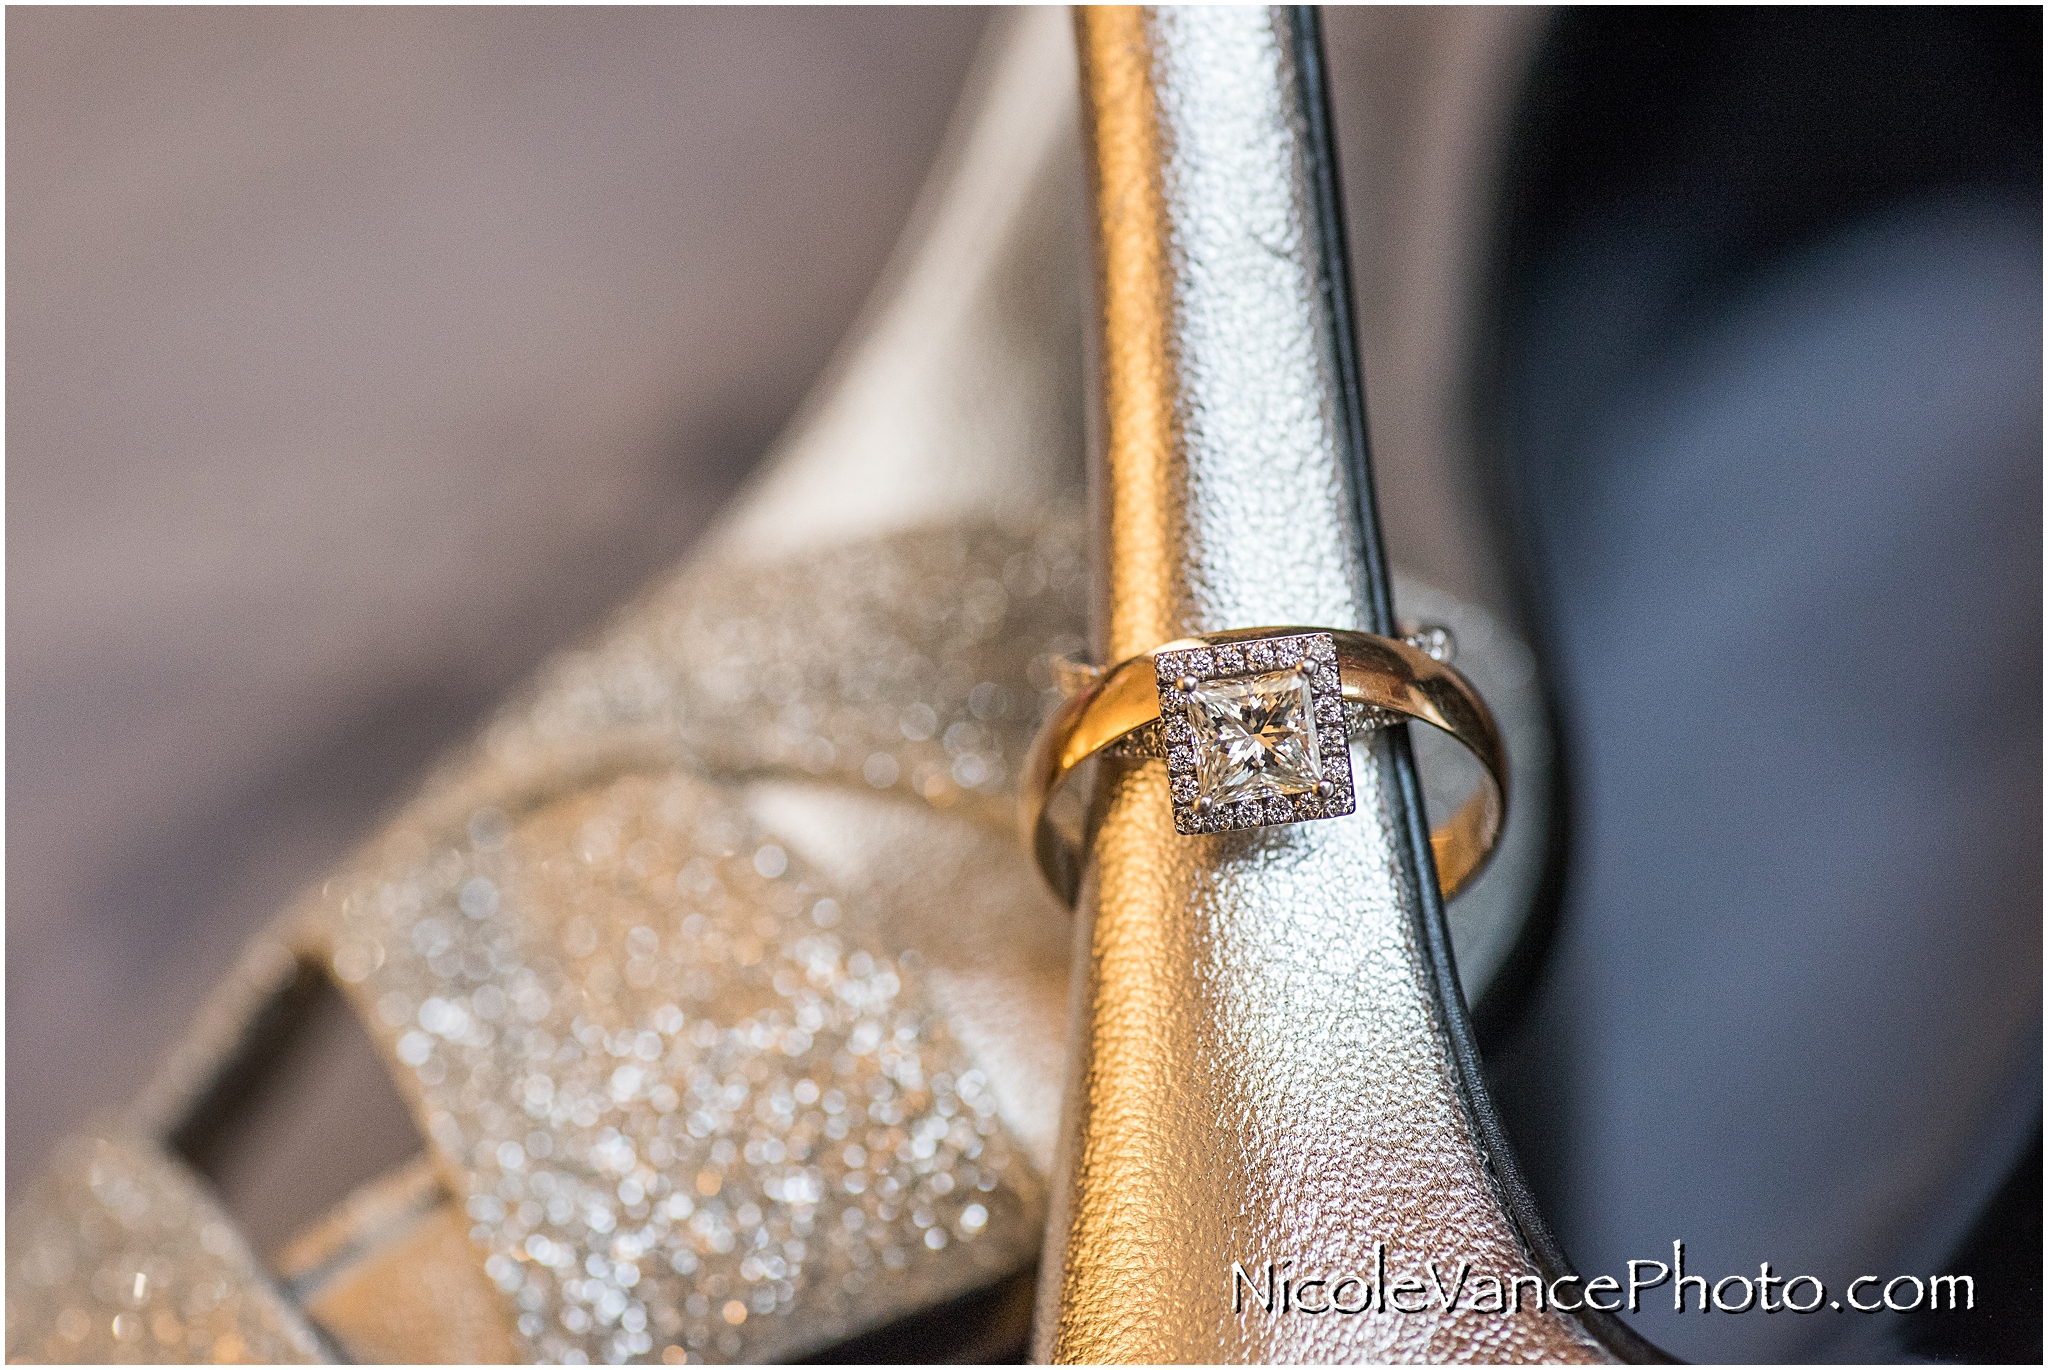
(1259, 1072)
(1216, 342)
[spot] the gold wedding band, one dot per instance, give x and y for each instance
(1276, 696)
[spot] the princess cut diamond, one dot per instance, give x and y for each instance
(1254, 737)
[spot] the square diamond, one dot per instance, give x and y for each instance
(1251, 736)
(1254, 737)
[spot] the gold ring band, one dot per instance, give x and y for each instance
(1382, 673)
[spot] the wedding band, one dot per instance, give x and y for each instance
(1253, 726)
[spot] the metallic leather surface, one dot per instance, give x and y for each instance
(1259, 1072)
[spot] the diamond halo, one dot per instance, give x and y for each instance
(1254, 733)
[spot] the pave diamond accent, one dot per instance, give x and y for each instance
(1258, 732)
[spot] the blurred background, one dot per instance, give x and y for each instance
(360, 358)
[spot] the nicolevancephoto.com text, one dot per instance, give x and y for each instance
(1449, 1286)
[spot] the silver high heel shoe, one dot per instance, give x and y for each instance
(732, 1017)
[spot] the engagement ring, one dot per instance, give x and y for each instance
(1255, 728)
